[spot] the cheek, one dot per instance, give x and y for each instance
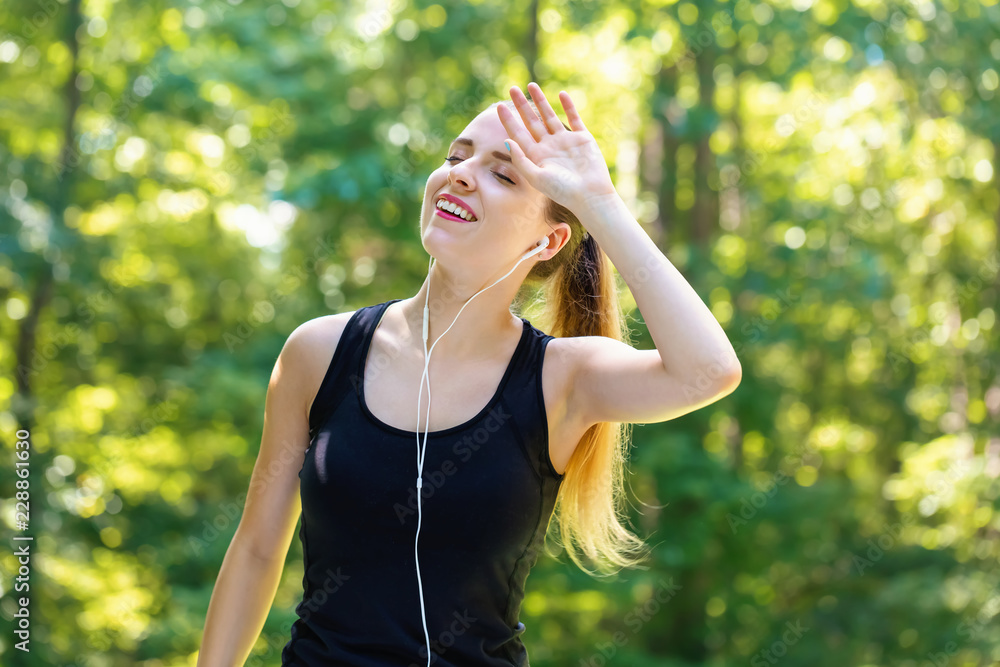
(437, 179)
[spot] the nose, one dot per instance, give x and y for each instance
(457, 175)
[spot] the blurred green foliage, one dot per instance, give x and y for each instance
(183, 184)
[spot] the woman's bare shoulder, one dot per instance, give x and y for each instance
(317, 333)
(309, 350)
(557, 371)
(561, 352)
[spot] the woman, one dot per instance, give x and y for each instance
(410, 559)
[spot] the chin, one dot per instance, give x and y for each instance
(436, 241)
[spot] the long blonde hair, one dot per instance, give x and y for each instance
(581, 299)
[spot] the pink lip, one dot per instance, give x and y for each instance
(448, 216)
(455, 200)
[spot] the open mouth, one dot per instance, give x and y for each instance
(452, 210)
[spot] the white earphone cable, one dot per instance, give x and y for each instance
(422, 449)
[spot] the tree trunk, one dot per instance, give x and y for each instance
(663, 94)
(41, 294)
(705, 212)
(531, 42)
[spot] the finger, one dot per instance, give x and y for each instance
(549, 116)
(515, 128)
(522, 162)
(572, 114)
(528, 115)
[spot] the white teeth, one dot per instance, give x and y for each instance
(455, 209)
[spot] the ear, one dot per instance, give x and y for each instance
(558, 237)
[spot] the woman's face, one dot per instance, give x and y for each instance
(508, 214)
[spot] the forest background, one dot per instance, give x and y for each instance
(184, 183)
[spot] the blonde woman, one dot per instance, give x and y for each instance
(421, 520)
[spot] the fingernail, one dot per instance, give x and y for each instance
(507, 145)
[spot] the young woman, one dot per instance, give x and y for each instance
(421, 520)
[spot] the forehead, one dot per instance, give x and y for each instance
(485, 128)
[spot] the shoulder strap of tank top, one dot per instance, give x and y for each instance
(341, 375)
(366, 330)
(527, 365)
(523, 396)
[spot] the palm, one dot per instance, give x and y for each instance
(565, 165)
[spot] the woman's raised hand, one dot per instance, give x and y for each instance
(565, 165)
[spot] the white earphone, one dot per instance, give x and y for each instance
(421, 450)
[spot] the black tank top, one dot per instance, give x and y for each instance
(488, 494)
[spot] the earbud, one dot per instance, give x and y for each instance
(542, 245)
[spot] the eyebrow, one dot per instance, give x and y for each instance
(468, 142)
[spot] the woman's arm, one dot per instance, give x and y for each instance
(240, 603)
(694, 364)
(253, 564)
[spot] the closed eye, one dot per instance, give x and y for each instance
(496, 173)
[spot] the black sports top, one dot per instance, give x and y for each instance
(488, 494)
